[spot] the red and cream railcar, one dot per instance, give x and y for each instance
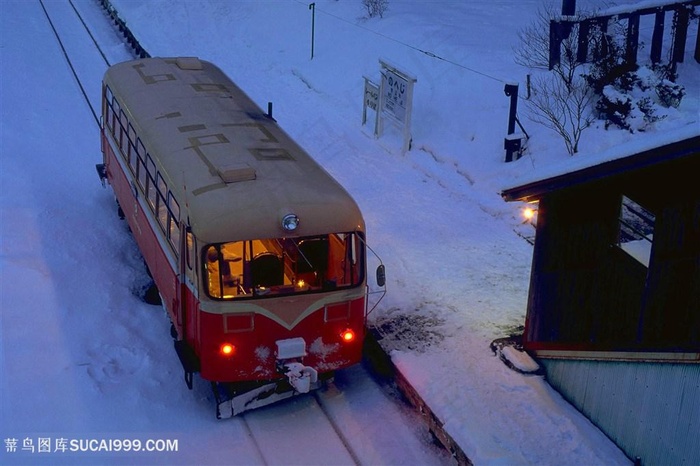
(258, 253)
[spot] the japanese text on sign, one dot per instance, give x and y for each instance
(395, 93)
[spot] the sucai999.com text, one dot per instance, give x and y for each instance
(43, 445)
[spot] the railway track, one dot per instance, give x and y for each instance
(307, 414)
(353, 421)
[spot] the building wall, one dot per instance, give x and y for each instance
(671, 306)
(583, 291)
(587, 294)
(650, 410)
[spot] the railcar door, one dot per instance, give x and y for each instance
(185, 283)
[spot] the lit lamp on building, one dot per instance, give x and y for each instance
(530, 214)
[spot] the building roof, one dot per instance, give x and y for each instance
(587, 168)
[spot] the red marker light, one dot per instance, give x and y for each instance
(227, 349)
(347, 336)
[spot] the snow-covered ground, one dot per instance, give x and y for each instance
(82, 357)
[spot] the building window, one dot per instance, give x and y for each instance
(636, 230)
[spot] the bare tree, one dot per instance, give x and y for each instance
(376, 7)
(561, 99)
(533, 51)
(564, 108)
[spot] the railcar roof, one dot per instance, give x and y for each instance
(233, 170)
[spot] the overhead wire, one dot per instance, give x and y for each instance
(413, 47)
(70, 63)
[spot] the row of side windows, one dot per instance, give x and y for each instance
(162, 202)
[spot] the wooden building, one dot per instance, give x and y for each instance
(613, 311)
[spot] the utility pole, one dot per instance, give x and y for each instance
(312, 7)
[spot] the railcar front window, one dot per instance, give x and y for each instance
(283, 266)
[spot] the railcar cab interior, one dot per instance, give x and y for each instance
(283, 266)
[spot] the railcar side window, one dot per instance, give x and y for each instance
(174, 222)
(112, 116)
(123, 123)
(140, 154)
(130, 143)
(283, 266)
(141, 174)
(150, 182)
(131, 153)
(115, 117)
(189, 237)
(162, 187)
(109, 109)
(108, 95)
(161, 207)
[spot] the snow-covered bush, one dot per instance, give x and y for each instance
(633, 101)
(670, 94)
(614, 107)
(630, 96)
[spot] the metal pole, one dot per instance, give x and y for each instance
(512, 145)
(312, 7)
(511, 90)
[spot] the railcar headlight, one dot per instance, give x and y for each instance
(290, 222)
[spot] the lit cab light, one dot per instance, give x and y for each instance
(347, 336)
(227, 349)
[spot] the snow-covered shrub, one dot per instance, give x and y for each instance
(648, 108)
(670, 94)
(614, 107)
(608, 64)
(630, 96)
(633, 102)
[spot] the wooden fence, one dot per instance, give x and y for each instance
(561, 29)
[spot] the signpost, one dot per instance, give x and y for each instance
(372, 101)
(392, 99)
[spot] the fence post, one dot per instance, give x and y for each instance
(657, 36)
(632, 38)
(681, 18)
(697, 46)
(554, 43)
(568, 7)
